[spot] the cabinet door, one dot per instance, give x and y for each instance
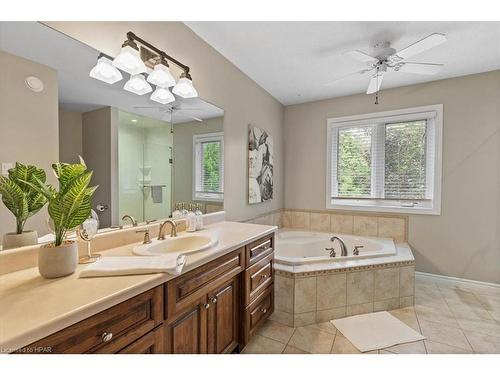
(223, 317)
(187, 332)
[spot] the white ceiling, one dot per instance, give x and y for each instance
(294, 60)
(78, 92)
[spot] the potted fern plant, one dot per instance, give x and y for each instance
(23, 201)
(68, 208)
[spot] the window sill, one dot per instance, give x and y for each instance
(208, 198)
(382, 208)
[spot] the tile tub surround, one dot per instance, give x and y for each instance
(341, 222)
(306, 296)
(434, 298)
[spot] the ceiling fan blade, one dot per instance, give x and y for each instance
(361, 56)
(195, 118)
(375, 83)
(420, 68)
(422, 45)
(361, 72)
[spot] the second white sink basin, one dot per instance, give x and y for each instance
(183, 244)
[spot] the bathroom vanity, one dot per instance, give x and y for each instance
(213, 307)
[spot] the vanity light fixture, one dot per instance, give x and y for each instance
(184, 88)
(161, 76)
(138, 85)
(136, 60)
(129, 59)
(162, 95)
(105, 71)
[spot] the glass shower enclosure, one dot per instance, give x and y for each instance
(144, 167)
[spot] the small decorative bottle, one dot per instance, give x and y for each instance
(199, 219)
(191, 222)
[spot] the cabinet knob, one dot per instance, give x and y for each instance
(263, 310)
(206, 305)
(213, 300)
(263, 276)
(106, 336)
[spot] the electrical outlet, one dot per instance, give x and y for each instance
(5, 168)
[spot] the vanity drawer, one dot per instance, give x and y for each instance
(257, 313)
(183, 290)
(258, 249)
(109, 331)
(258, 277)
(153, 342)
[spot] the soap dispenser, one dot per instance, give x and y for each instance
(199, 219)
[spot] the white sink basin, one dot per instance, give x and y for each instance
(182, 245)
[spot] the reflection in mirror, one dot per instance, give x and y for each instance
(148, 159)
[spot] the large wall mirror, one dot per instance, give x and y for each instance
(148, 159)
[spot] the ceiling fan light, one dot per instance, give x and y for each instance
(161, 76)
(129, 60)
(138, 85)
(184, 88)
(105, 71)
(162, 95)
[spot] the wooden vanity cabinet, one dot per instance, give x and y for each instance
(214, 308)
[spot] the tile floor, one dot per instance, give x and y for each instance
(454, 317)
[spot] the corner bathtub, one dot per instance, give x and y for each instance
(296, 248)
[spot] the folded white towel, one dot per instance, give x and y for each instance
(135, 265)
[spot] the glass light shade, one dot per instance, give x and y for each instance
(138, 85)
(161, 76)
(185, 89)
(129, 61)
(105, 71)
(162, 95)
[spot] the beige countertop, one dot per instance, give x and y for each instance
(33, 307)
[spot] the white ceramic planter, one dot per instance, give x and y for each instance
(58, 261)
(12, 240)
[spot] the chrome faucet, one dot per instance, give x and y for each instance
(131, 218)
(173, 231)
(343, 248)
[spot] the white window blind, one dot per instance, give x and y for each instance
(388, 161)
(208, 159)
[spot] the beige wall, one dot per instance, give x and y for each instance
(70, 136)
(219, 82)
(183, 154)
(28, 126)
(464, 240)
(99, 140)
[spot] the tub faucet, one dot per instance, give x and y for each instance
(173, 231)
(343, 248)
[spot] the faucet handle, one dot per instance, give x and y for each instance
(333, 254)
(146, 236)
(356, 250)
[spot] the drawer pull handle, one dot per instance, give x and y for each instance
(263, 276)
(106, 336)
(214, 300)
(263, 310)
(206, 305)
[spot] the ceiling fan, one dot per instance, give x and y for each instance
(171, 109)
(387, 59)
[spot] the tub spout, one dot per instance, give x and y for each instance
(343, 247)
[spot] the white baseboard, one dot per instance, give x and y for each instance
(457, 279)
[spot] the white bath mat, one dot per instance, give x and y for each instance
(375, 331)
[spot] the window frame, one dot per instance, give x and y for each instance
(432, 113)
(208, 196)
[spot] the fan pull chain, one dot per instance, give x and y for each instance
(376, 97)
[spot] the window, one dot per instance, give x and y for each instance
(208, 168)
(387, 161)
